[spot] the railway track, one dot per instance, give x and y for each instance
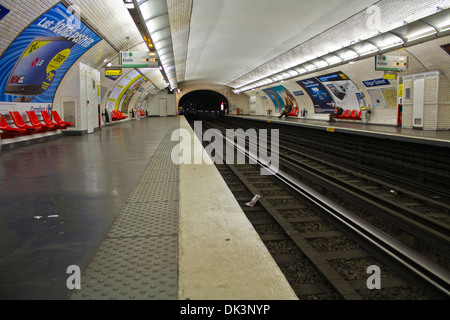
(416, 216)
(321, 258)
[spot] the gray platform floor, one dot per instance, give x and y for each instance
(59, 199)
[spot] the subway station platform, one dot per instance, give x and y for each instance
(437, 138)
(135, 223)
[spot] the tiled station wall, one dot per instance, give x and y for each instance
(423, 57)
(23, 13)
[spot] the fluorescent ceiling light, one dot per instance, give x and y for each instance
(165, 43)
(153, 8)
(292, 73)
(346, 54)
(331, 59)
(421, 34)
(440, 21)
(414, 31)
(161, 35)
(129, 4)
(301, 70)
(158, 23)
(319, 63)
(309, 67)
(364, 48)
(386, 41)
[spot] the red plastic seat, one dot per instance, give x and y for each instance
(59, 121)
(294, 112)
(4, 126)
(48, 120)
(115, 116)
(121, 115)
(352, 115)
(343, 116)
(356, 116)
(18, 121)
(35, 121)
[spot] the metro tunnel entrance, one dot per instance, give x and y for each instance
(204, 105)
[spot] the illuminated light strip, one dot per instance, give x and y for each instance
(362, 54)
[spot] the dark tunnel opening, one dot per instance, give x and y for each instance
(203, 105)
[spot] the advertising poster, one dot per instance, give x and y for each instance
(377, 98)
(390, 96)
(130, 93)
(345, 93)
(323, 101)
(145, 96)
(116, 96)
(35, 63)
(281, 97)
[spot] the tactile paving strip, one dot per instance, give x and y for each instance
(145, 219)
(156, 191)
(160, 175)
(143, 268)
(138, 258)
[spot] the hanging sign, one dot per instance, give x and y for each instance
(138, 59)
(113, 73)
(390, 63)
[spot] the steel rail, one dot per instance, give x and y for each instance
(429, 230)
(433, 274)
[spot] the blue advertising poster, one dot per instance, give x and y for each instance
(37, 60)
(3, 12)
(274, 95)
(281, 97)
(344, 92)
(323, 102)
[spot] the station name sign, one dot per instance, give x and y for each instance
(113, 73)
(139, 59)
(376, 82)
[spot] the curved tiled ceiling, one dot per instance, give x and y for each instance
(230, 38)
(238, 43)
(243, 43)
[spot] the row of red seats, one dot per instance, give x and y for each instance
(36, 125)
(293, 113)
(349, 115)
(117, 115)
